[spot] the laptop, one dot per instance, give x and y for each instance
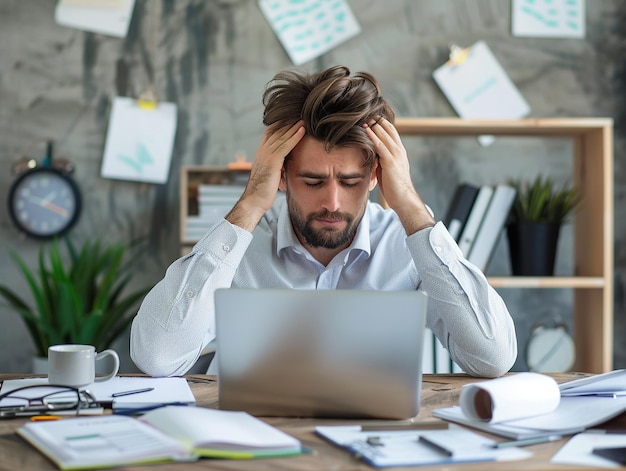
(331, 353)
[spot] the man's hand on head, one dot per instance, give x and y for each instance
(394, 177)
(260, 192)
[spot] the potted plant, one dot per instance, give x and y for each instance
(78, 301)
(540, 208)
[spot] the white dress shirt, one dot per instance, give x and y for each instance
(176, 319)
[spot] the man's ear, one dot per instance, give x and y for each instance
(373, 177)
(282, 184)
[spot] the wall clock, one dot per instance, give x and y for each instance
(44, 202)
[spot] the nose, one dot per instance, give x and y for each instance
(330, 202)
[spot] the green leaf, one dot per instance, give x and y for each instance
(541, 201)
(79, 296)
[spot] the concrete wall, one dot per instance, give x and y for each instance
(213, 58)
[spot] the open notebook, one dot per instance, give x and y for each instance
(305, 353)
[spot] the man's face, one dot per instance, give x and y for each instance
(326, 193)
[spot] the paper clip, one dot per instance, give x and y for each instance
(458, 54)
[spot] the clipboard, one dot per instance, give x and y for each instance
(393, 448)
(478, 87)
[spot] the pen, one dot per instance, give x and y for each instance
(607, 430)
(613, 395)
(527, 441)
(398, 427)
(141, 410)
(41, 418)
(134, 391)
(434, 446)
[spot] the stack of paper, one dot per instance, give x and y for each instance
(583, 403)
(214, 202)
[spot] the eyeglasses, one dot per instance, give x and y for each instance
(43, 398)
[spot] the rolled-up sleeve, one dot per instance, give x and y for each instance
(465, 313)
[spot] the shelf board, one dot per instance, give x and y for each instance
(546, 282)
(523, 127)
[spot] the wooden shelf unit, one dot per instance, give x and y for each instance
(592, 282)
(191, 177)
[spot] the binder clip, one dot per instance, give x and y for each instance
(458, 54)
(147, 100)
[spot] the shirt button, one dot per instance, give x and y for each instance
(225, 248)
(437, 249)
(190, 294)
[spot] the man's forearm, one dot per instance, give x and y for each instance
(176, 318)
(245, 215)
(470, 318)
(414, 216)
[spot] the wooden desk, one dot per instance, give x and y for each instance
(438, 391)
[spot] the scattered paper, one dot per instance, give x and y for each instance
(164, 390)
(110, 17)
(548, 18)
(309, 28)
(510, 397)
(578, 450)
(574, 414)
(139, 141)
(477, 87)
(404, 448)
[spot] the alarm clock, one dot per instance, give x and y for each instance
(550, 348)
(44, 202)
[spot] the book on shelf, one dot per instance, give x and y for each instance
(491, 226)
(175, 433)
(527, 405)
(459, 209)
(475, 217)
(435, 357)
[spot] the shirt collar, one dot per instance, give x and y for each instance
(286, 237)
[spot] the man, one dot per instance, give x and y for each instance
(330, 140)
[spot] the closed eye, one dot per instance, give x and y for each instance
(347, 181)
(313, 182)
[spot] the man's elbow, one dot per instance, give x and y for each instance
(498, 361)
(153, 360)
(153, 367)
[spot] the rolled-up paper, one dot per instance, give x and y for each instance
(512, 397)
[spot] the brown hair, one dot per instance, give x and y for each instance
(333, 105)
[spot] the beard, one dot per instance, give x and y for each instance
(326, 237)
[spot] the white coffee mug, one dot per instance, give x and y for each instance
(75, 365)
